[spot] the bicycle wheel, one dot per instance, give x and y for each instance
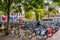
(28, 35)
(12, 34)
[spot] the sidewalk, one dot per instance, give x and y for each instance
(56, 36)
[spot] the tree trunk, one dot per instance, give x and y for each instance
(8, 12)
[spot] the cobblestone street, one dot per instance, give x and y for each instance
(56, 36)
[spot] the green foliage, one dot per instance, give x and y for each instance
(28, 6)
(57, 2)
(47, 4)
(12, 7)
(39, 13)
(51, 9)
(1, 13)
(28, 14)
(48, 13)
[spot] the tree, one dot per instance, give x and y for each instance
(1, 13)
(56, 2)
(28, 5)
(48, 13)
(6, 5)
(2, 6)
(51, 9)
(8, 11)
(33, 5)
(29, 14)
(55, 12)
(39, 13)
